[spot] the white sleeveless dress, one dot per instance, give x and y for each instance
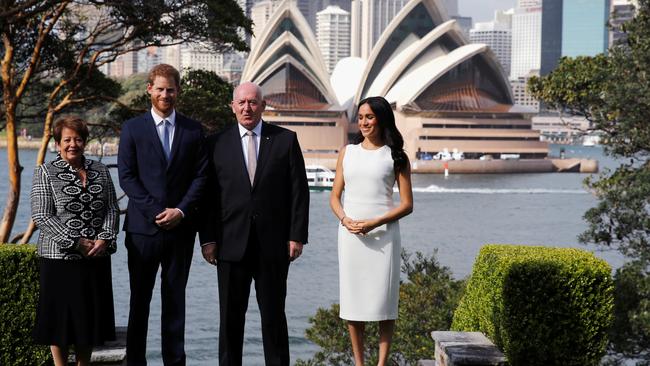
(369, 266)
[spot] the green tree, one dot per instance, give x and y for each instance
(61, 44)
(204, 96)
(613, 92)
(427, 301)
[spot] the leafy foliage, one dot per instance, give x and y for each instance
(19, 296)
(428, 298)
(539, 305)
(613, 92)
(630, 332)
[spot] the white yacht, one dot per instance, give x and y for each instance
(319, 177)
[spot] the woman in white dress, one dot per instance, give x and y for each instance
(369, 238)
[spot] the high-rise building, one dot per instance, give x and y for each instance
(498, 37)
(526, 38)
(333, 34)
(621, 11)
(383, 12)
(573, 28)
(520, 92)
(260, 14)
(584, 27)
(374, 16)
(551, 35)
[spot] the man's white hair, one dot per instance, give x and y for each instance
(258, 90)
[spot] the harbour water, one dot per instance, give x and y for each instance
(454, 216)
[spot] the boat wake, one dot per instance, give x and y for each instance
(437, 189)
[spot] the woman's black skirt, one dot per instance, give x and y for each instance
(75, 304)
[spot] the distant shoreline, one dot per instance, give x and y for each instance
(24, 144)
(92, 148)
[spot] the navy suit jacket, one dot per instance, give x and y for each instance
(277, 205)
(152, 183)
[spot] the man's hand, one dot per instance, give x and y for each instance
(295, 250)
(209, 252)
(169, 218)
(98, 249)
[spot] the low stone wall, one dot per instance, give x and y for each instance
(464, 348)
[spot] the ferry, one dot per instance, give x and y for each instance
(319, 177)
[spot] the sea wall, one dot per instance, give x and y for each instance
(490, 166)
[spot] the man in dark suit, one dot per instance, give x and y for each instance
(162, 167)
(256, 223)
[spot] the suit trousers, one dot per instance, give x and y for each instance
(145, 255)
(271, 289)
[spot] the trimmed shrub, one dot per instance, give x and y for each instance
(539, 305)
(18, 299)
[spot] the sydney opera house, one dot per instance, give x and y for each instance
(446, 92)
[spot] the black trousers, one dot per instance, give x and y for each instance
(145, 255)
(235, 279)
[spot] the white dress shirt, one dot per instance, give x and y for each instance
(244, 139)
(160, 126)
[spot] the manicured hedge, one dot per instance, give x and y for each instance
(539, 305)
(18, 298)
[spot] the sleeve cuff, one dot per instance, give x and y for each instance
(181, 211)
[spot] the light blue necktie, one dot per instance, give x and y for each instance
(165, 141)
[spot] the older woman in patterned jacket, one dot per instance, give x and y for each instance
(75, 208)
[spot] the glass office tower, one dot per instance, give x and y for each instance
(573, 28)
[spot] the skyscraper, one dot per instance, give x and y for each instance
(526, 38)
(498, 37)
(260, 14)
(584, 27)
(573, 28)
(620, 11)
(374, 16)
(333, 35)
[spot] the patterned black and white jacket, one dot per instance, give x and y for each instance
(65, 211)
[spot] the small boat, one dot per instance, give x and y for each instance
(319, 177)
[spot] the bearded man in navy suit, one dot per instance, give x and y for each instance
(255, 223)
(162, 169)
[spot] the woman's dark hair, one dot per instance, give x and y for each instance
(72, 122)
(390, 135)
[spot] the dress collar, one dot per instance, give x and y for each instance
(62, 163)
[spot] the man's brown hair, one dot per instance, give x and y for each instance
(166, 71)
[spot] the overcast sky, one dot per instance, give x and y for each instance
(483, 10)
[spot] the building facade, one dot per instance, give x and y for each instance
(333, 34)
(621, 11)
(573, 28)
(521, 95)
(498, 37)
(526, 38)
